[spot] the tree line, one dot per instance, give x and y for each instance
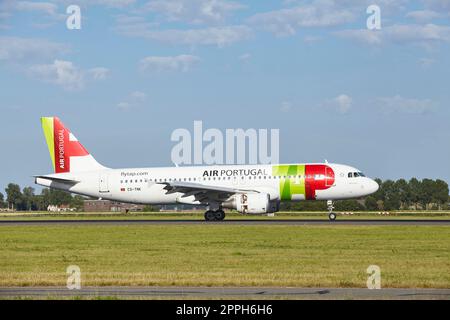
(26, 199)
(415, 194)
(426, 194)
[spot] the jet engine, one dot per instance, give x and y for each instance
(250, 203)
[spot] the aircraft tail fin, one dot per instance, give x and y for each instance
(66, 152)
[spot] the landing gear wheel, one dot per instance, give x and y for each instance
(332, 216)
(220, 215)
(210, 215)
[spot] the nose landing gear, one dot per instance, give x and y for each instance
(331, 214)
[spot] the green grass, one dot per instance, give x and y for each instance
(225, 255)
(230, 215)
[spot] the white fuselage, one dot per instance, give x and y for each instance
(147, 185)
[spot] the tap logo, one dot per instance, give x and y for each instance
(300, 182)
(61, 149)
(62, 144)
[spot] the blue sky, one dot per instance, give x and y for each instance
(137, 70)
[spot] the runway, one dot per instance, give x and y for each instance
(227, 292)
(356, 222)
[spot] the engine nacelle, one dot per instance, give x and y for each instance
(252, 203)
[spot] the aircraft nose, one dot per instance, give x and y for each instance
(372, 186)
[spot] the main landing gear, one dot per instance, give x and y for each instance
(331, 214)
(215, 215)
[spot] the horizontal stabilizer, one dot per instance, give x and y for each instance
(57, 179)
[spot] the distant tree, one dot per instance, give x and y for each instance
(77, 202)
(426, 192)
(440, 193)
(403, 189)
(349, 205)
(14, 196)
(55, 197)
(28, 199)
(414, 192)
(2, 200)
(371, 203)
(391, 198)
(149, 208)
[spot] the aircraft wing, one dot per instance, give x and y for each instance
(203, 192)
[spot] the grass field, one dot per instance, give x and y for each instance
(230, 215)
(225, 255)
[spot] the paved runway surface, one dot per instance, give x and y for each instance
(359, 222)
(230, 292)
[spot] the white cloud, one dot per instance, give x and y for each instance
(311, 39)
(245, 56)
(138, 96)
(134, 99)
(426, 62)
(19, 49)
(371, 37)
(438, 5)
(46, 10)
(62, 73)
(193, 11)
(124, 106)
(405, 105)
(41, 7)
(220, 36)
(99, 73)
(285, 22)
(423, 15)
(343, 103)
(113, 3)
(425, 35)
(106, 3)
(286, 106)
(181, 63)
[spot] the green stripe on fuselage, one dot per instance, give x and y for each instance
(290, 186)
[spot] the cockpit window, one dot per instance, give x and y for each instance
(355, 174)
(361, 174)
(350, 175)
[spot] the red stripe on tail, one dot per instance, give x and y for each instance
(64, 148)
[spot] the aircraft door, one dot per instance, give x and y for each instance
(103, 183)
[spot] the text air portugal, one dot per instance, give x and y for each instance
(64, 148)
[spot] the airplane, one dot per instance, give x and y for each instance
(249, 189)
